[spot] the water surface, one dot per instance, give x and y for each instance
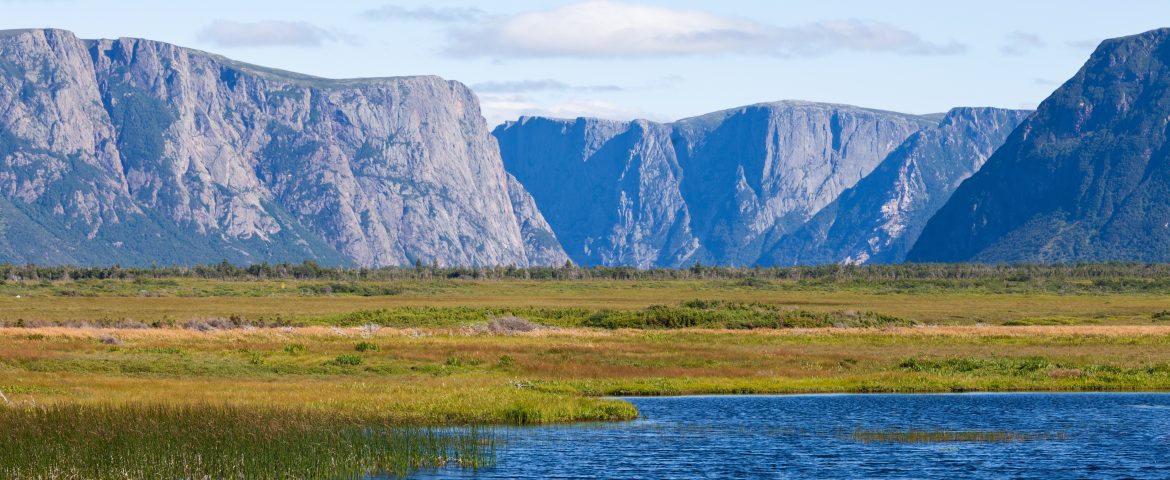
(1076, 435)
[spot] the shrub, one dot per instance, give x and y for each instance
(735, 315)
(366, 347)
(506, 361)
(346, 360)
(454, 361)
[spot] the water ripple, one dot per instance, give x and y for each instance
(1089, 435)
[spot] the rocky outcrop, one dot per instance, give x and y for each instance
(722, 188)
(541, 246)
(755, 174)
(610, 190)
(136, 151)
(1085, 178)
(877, 220)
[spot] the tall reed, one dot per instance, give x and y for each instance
(222, 442)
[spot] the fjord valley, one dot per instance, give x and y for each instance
(213, 269)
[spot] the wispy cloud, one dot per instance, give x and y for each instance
(1084, 44)
(546, 85)
(609, 29)
(428, 14)
(227, 33)
(1021, 43)
(499, 108)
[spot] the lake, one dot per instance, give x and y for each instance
(1010, 435)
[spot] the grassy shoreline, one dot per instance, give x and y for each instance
(423, 355)
(462, 377)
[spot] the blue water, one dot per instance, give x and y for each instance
(1084, 435)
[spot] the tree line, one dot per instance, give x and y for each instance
(309, 270)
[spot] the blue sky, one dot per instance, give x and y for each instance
(661, 60)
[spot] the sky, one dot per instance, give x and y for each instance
(659, 60)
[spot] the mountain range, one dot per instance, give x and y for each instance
(135, 152)
(769, 184)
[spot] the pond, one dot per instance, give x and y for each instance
(1011, 435)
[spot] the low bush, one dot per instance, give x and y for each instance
(735, 315)
(366, 347)
(346, 360)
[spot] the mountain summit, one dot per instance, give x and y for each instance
(1086, 178)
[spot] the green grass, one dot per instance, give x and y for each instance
(407, 355)
(63, 442)
(735, 315)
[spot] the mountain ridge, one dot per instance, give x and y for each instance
(240, 163)
(796, 157)
(879, 218)
(1096, 161)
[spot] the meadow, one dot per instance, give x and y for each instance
(398, 359)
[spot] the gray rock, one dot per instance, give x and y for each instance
(720, 188)
(136, 151)
(757, 173)
(878, 219)
(610, 190)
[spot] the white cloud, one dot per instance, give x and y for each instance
(500, 108)
(227, 33)
(546, 85)
(1021, 43)
(429, 14)
(608, 28)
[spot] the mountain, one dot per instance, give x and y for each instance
(879, 218)
(133, 151)
(610, 190)
(1086, 178)
(721, 188)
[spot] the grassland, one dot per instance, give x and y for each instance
(411, 354)
(452, 303)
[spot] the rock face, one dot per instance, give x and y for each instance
(610, 190)
(721, 188)
(1086, 178)
(136, 151)
(877, 220)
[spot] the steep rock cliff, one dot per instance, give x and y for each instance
(877, 220)
(720, 188)
(137, 151)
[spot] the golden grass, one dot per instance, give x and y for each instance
(454, 376)
(961, 307)
(461, 375)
